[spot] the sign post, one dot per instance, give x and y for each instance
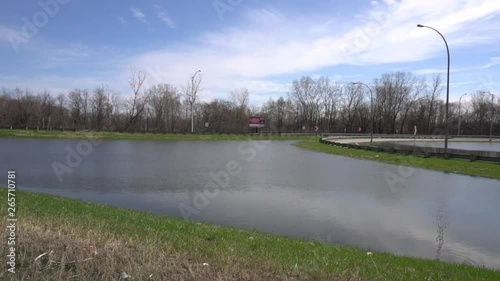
(414, 135)
(256, 122)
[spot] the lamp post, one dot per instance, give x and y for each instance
(492, 114)
(192, 99)
(371, 107)
(446, 132)
(459, 104)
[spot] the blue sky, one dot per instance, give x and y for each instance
(59, 45)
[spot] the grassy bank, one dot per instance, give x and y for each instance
(94, 242)
(56, 134)
(477, 168)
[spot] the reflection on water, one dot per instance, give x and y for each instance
(442, 223)
(279, 189)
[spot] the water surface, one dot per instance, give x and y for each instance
(277, 188)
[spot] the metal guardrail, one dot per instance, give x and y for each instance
(418, 151)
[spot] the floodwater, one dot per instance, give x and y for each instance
(274, 187)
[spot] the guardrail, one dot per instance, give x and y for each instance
(488, 156)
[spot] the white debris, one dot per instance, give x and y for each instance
(46, 253)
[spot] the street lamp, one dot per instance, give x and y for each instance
(371, 107)
(492, 114)
(192, 99)
(459, 104)
(447, 89)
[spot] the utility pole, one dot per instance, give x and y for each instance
(492, 115)
(459, 117)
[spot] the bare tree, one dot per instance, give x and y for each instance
(6, 108)
(100, 107)
(400, 101)
(305, 94)
(174, 110)
(277, 113)
(190, 91)
(220, 115)
(61, 98)
(239, 98)
(432, 95)
(117, 104)
(85, 108)
(352, 100)
(76, 107)
(481, 106)
(410, 99)
(282, 108)
(48, 104)
(162, 97)
(394, 92)
(330, 98)
(138, 101)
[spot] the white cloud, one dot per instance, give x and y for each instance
(54, 83)
(287, 46)
(7, 33)
(138, 14)
(13, 37)
(494, 61)
(58, 56)
(270, 44)
(122, 20)
(163, 16)
(166, 19)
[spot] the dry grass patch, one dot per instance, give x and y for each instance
(54, 252)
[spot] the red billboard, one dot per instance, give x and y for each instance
(256, 122)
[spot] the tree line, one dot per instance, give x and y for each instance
(395, 102)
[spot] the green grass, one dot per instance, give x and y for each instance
(170, 248)
(477, 168)
(56, 134)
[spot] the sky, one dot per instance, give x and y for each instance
(60, 45)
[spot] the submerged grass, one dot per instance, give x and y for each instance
(56, 134)
(476, 168)
(86, 241)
